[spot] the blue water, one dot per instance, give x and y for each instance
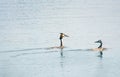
(29, 28)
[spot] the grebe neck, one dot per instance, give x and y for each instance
(100, 45)
(61, 42)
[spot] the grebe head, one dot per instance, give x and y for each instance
(99, 41)
(63, 35)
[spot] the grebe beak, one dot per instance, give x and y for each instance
(66, 35)
(96, 41)
(99, 41)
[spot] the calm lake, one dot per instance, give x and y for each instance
(29, 28)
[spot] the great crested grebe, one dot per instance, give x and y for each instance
(62, 35)
(61, 38)
(100, 48)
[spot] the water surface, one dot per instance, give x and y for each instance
(29, 28)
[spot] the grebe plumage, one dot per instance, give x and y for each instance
(100, 48)
(62, 35)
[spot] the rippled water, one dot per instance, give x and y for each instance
(29, 28)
